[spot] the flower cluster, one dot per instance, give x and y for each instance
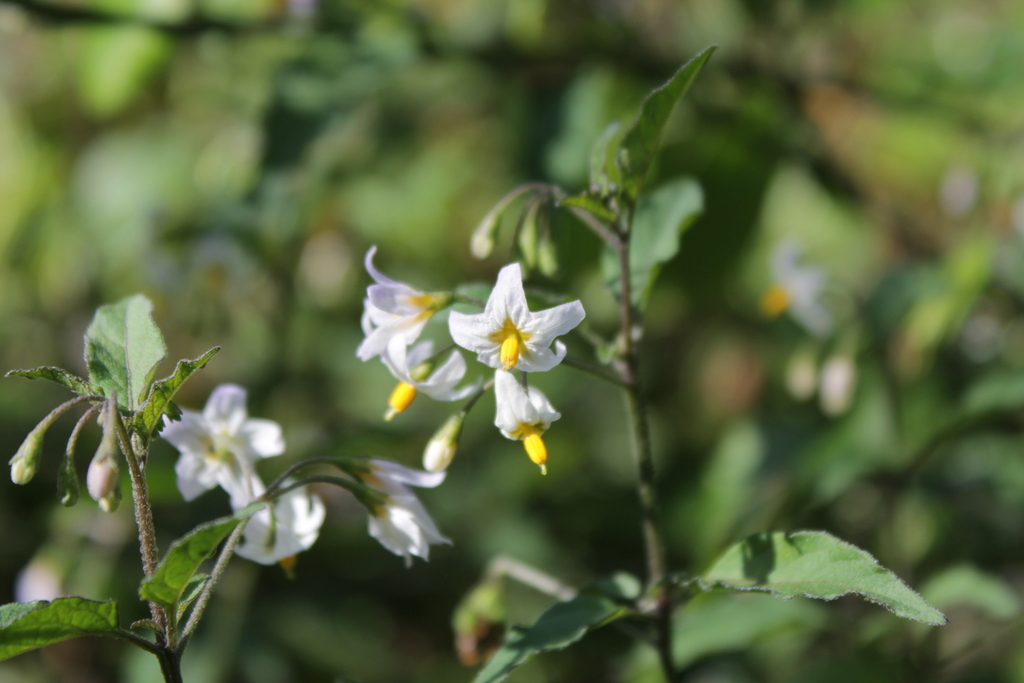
(505, 336)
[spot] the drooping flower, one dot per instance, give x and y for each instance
(797, 288)
(523, 415)
(401, 523)
(416, 372)
(286, 528)
(220, 445)
(394, 309)
(508, 335)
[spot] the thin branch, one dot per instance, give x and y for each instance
(599, 228)
(595, 370)
(530, 576)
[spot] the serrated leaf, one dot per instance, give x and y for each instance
(559, 627)
(60, 376)
(122, 349)
(589, 204)
(176, 571)
(31, 625)
(147, 418)
(815, 564)
(640, 141)
(660, 220)
(604, 167)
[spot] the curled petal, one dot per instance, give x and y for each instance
(226, 407)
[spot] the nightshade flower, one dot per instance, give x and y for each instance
(220, 445)
(278, 533)
(797, 289)
(394, 309)
(401, 523)
(524, 415)
(508, 335)
(416, 372)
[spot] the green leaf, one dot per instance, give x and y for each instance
(559, 627)
(715, 623)
(192, 591)
(147, 419)
(996, 392)
(62, 377)
(661, 218)
(604, 168)
(589, 204)
(31, 625)
(176, 572)
(122, 348)
(115, 63)
(640, 141)
(815, 564)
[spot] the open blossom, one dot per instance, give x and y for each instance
(278, 533)
(220, 445)
(401, 523)
(508, 335)
(393, 309)
(524, 415)
(416, 372)
(797, 289)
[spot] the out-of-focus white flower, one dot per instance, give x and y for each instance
(41, 579)
(401, 523)
(508, 335)
(416, 373)
(838, 381)
(797, 289)
(523, 415)
(278, 533)
(393, 309)
(220, 445)
(442, 445)
(802, 374)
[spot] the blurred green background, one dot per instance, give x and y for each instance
(234, 159)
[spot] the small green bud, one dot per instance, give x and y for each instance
(26, 460)
(442, 445)
(103, 480)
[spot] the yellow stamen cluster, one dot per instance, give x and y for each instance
(774, 301)
(400, 399)
(511, 339)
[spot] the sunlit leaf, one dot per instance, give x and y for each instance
(640, 141)
(148, 416)
(31, 625)
(559, 627)
(815, 564)
(589, 204)
(122, 349)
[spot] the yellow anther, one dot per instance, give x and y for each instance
(536, 449)
(510, 351)
(288, 565)
(400, 399)
(774, 301)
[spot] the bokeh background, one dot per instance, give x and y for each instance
(234, 160)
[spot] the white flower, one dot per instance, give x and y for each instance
(401, 523)
(219, 445)
(523, 415)
(415, 373)
(279, 533)
(393, 309)
(838, 382)
(507, 335)
(798, 289)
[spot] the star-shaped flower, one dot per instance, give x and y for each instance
(798, 289)
(220, 445)
(523, 415)
(508, 335)
(289, 526)
(402, 524)
(416, 372)
(393, 309)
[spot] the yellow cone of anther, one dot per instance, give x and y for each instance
(537, 451)
(510, 351)
(774, 301)
(400, 399)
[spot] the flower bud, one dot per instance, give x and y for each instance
(103, 480)
(441, 448)
(26, 460)
(838, 379)
(481, 244)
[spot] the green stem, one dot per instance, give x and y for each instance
(595, 370)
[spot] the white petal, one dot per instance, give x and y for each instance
(545, 410)
(419, 353)
(472, 332)
(378, 276)
(225, 409)
(408, 328)
(195, 477)
(514, 408)
(397, 299)
(440, 386)
(190, 435)
(542, 359)
(262, 438)
(507, 299)
(389, 471)
(553, 322)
